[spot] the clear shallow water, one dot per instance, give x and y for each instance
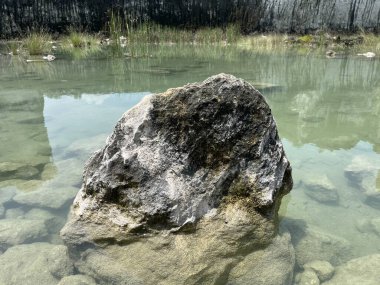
(54, 115)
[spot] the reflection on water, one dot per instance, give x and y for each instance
(54, 115)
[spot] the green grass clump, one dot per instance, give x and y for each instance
(371, 42)
(37, 43)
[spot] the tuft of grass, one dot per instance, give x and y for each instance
(37, 43)
(80, 45)
(209, 36)
(263, 42)
(371, 42)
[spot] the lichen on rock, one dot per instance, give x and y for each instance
(199, 164)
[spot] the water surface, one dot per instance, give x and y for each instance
(54, 115)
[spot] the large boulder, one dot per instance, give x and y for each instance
(192, 177)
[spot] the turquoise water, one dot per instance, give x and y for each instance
(54, 115)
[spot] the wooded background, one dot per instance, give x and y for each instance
(291, 16)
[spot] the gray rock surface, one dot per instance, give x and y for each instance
(364, 174)
(77, 280)
(190, 181)
(322, 268)
(14, 213)
(363, 270)
(321, 189)
(279, 257)
(312, 244)
(47, 197)
(6, 194)
(36, 263)
(18, 231)
(308, 277)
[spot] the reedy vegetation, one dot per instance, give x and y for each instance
(131, 39)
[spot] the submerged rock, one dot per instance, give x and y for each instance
(77, 280)
(322, 268)
(279, 257)
(36, 263)
(46, 197)
(363, 270)
(308, 277)
(190, 179)
(312, 244)
(364, 175)
(18, 231)
(321, 189)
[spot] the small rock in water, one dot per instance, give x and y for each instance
(308, 277)
(365, 175)
(47, 197)
(322, 268)
(14, 213)
(313, 244)
(36, 263)
(77, 280)
(375, 223)
(321, 189)
(50, 219)
(18, 231)
(363, 270)
(7, 193)
(26, 172)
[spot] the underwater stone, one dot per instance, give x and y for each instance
(14, 213)
(26, 172)
(7, 193)
(279, 257)
(199, 164)
(362, 270)
(47, 197)
(36, 263)
(308, 277)
(311, 243)
(77, 280)
(322, 268)
(18, 231)
(321, 189)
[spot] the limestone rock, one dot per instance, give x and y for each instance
(311, 244)
(375, 224)
(322, 268)
(77, 280)
(371, 188)
(279, 256)
(364, 174)
(46, 197)
(18, 231)
(14, 213)
(320, 188)
(359, 168)
(363, 270)
(52, 221)
(190, 182)
(308, 277)
(6, 194)
(176, 156)
(36, 263)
